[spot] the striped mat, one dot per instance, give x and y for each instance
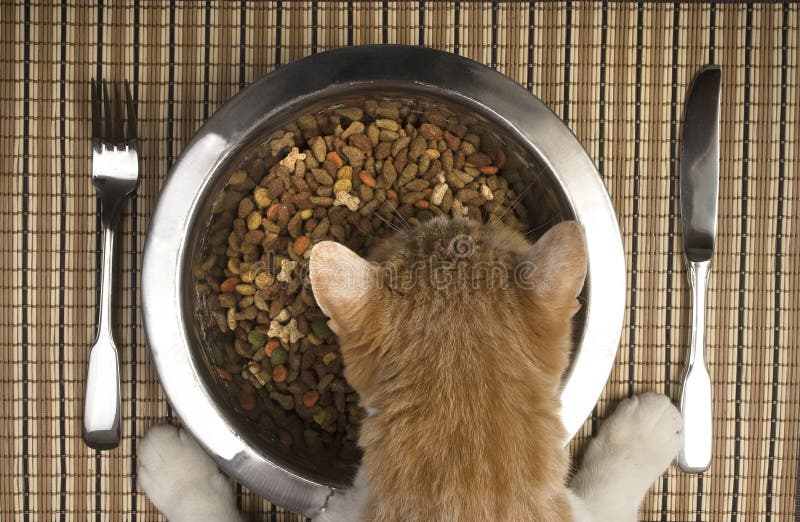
(616, 73)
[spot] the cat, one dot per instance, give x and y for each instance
(455, 335)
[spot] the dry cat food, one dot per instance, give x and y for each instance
(352, 175)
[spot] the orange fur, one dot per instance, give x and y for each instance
(465, 377)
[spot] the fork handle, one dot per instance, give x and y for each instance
(101, 414)
(109, 217)
(101, 408)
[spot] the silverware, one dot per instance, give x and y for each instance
(699, 178)
(115, 175)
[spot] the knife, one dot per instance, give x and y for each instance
(699, 179)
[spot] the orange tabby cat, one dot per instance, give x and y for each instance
(458, 340)
(455, 336)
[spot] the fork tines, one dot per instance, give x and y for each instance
(109, 109)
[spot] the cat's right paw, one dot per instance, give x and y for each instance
(635, 445)
(643, 434)
(180, 479)
(645, 427)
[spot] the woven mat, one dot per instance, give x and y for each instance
(617, 74)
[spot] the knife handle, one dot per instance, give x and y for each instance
(695, 456)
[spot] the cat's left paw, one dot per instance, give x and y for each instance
(180, 479)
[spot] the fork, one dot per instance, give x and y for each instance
(115, 175)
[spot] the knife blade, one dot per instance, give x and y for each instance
(699, 190)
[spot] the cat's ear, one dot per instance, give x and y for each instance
(342, 282)
(556, 266)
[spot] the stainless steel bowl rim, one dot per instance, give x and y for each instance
(298, 85)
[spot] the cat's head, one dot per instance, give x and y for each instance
(446, 295)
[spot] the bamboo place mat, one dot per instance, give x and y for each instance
(616, 73)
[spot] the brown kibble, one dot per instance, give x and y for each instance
(467, 194)
(330, 167)
(271, 242)
(459, 160)
(366, 193)
(416, 148)
(433, 154)
(245, 207)
(212, 283)
(301, 244)
(366, 179)
(387, 124)
(354, 155)
(362, 142)
(247, 400)
(391, 194)
(409, 198)
(489, 170)
(500, 158)
(431, 132)
(254, 237)
(239, 225)
(400, 145)
(321, 177)
(307, 376)
(334, 158)
(373, 133)
(453, 141)
(306, 362)
(321, 230)
(229, 285)
(416, 185)
(389, 172)
(387, 135)
(321, 203)
(301, 201)
(383, 150)
(295, 224)
(279, 373)
(273, 211)
(238, 178)
(310, 398)
(318, 148)
(401, 160)
(457, 129)
(245, 289)
(422, 203)
(408, 173)
(355, 128)
(275, 189)
(283, 214)
(479, 159)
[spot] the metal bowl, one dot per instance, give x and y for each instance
(542, 152)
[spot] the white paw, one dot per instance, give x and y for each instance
(348, 505)
(635, 445)
(645, 433)
(178, 477)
